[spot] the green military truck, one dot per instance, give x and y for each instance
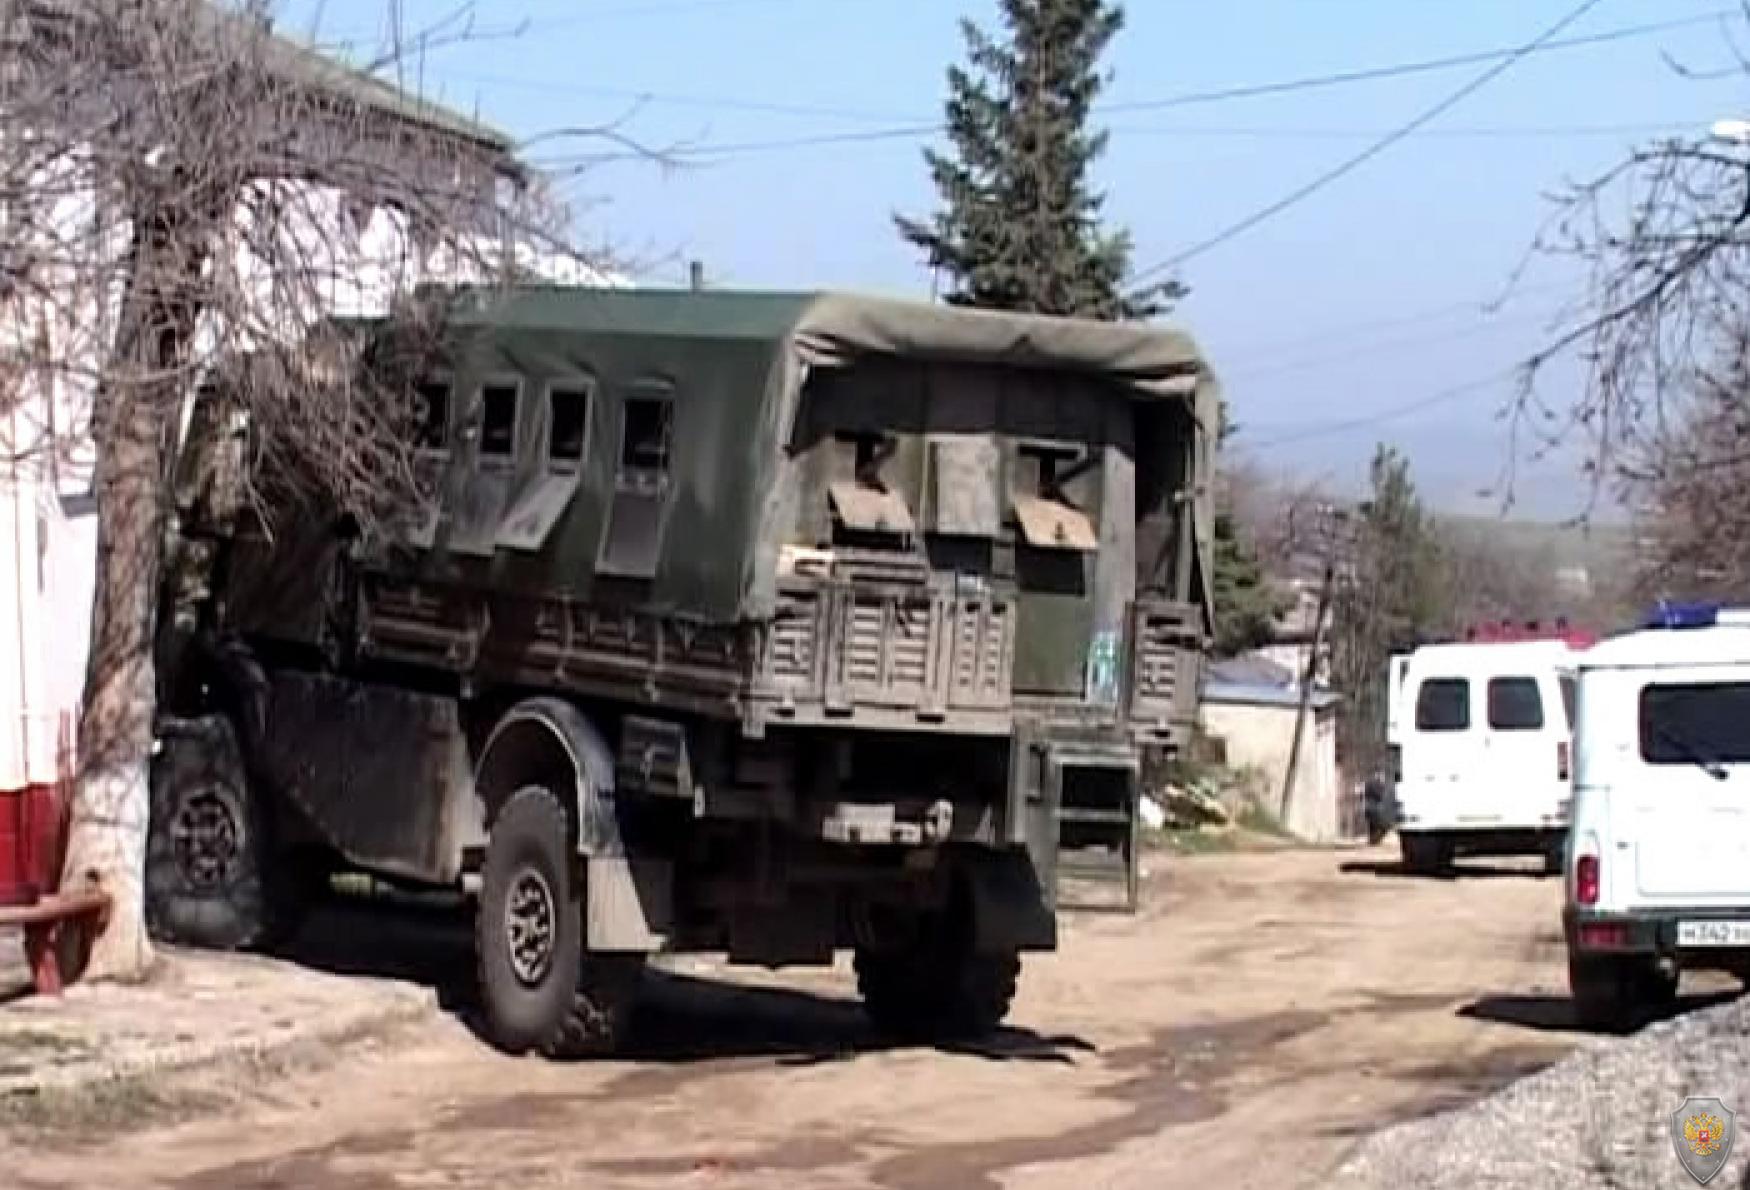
(759, 623)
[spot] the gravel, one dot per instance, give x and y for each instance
(1598, 1119)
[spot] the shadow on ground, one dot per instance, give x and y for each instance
(1555, 1013)
(680, 1018)
(1462, 869)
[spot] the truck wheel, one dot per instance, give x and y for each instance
(1617, 993)
(914, 996)
(926, 979)
(601, 1007)
(207, 854)
(528, 931)
(1425, 855)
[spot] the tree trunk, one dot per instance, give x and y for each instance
(110, 805)
(132, 418)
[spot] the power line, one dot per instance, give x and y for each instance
(1305, 363)
(1350, 164)
(1486, 131)
(709, 154)
(1473, 306)
(920, 126)
(1390, 413)
(1370, 74)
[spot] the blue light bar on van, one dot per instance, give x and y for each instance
(1683, 615)
(1697, 615)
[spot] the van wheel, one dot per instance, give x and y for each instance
(1554, 858)
(1618, 993)
(1425, 855)
(528, 929)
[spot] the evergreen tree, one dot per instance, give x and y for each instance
(1393, 598)
(1247, 603)
(1019, 227)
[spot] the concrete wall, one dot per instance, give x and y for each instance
(1260, 736)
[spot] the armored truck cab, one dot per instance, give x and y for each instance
(762, 623)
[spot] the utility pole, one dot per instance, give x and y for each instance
(1327, 529)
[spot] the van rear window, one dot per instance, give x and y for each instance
(1443, 704)
(1515, 704)
(1696, 723)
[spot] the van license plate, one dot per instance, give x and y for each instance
(1713, 933)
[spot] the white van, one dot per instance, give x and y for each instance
(1479, 735)
(1658, 872)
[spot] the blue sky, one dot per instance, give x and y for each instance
(1325, 322)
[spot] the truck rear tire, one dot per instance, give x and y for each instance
(528, 928)
(924, 978)
(209, 879)
(915, 997)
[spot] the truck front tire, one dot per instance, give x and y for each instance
(528, 929)
(539, 990)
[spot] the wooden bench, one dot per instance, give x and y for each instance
(46, 937)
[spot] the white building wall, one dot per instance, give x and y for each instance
(48, 529)
(1260, 737)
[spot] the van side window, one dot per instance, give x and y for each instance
(1443, 704)
(1515, 704)
(1695, 723)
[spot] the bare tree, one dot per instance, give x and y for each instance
(1692, 479)
(188, 196)
(1663, 238)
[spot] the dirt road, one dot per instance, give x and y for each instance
(1264, 1011)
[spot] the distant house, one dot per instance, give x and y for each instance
(1250, 704)
(47, 522)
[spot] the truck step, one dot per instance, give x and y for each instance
(1105, 817)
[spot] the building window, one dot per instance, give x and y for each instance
(498, 417)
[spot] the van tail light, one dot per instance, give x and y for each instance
(1397, 763)
(1562, 760)
(1586, 880)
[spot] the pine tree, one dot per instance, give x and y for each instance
(1395, 595)
(1020, 226)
